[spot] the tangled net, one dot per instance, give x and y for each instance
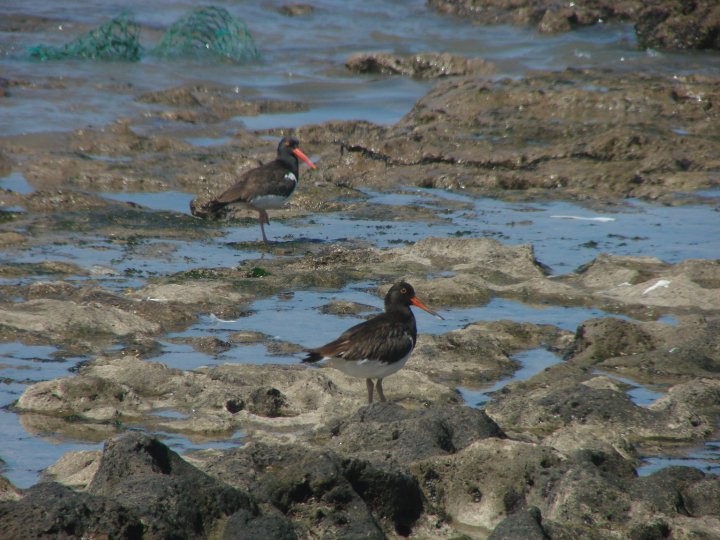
(209, 29)
(114, 40)
(204, 30)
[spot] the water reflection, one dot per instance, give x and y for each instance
(532, 362)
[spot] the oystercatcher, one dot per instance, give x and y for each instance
(264, 187)
(378, 347)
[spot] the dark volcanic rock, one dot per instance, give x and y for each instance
(243, 525)
(579, 403)
(386, 432)
(51, 510)
(526, 524)
(322, 491)
(390, 494)
(267, 401)
(599, 339)
(679, 25)
(666, 489)
(173, 498)
(142, 489)
(592, 490)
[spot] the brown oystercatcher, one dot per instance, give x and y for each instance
(378, 347)
(264, 187)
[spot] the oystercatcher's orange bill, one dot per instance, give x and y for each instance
(299, 153)
(415, 302)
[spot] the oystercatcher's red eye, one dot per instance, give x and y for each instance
(403, 291)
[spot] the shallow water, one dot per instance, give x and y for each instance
(564, 235)
(532, 362)
(705, 457)
(302, 60)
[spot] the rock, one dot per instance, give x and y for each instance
(218, 399)
(49, 509)
(467, 289)
(485, 257)
(140, 489)
(392, 495)
(266, 401)
(523, 12)
(590, 164)
(676, 25)
(209, 345)
(424, 66)
(322, 491)
(480, 485)
(555, 21)
(591, 491)
(191, 293)
(568, 407)
(656, 528)
(659, 24)
(75, 469)
(701, 498)
(172, 497)
(641, 287)
(526, 524)
(642, 281)
(11, 238)
(64, 321)
(116, 388)
(243, 525)
(57, 290)
(607, 271)
(386, 433)
(8, 492)
(341, 307)
(204, 103)
(599, 339)
(665, 489)
(318, 461)
(690, 406)
(470, 357)
(296, 10)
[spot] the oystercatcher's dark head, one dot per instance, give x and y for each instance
(289, 152)
(403, 294)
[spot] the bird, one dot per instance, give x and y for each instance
(378, 347)
(264, 187)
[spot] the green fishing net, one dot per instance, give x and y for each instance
(209, 29)
(114, 40)
(206, 30)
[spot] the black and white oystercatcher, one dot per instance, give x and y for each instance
(264, 187)
(378, 347)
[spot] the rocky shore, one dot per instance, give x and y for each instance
(556, 453)
(659, 24)
(554, 456)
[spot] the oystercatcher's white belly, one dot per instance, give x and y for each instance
(268, 202)
(367, 369)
